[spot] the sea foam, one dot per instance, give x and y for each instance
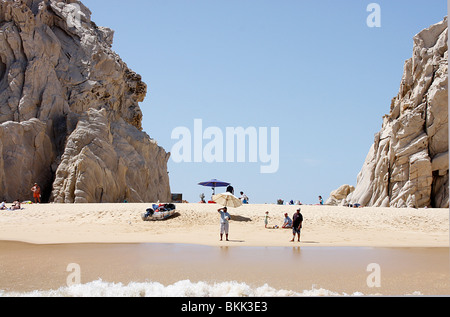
(184, 288)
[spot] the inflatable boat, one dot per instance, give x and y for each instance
(159, 212)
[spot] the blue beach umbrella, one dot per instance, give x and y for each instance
(214, 183)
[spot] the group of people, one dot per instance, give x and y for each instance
(291, 202)
(243, 197)
(230, 189)
(296, 223)
(17, 205)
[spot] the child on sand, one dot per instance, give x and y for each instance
(266, 222)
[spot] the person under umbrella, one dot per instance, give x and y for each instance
(214, 183)
(226, 200)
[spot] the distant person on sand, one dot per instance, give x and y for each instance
(230, 189)
(266, 219)
(202, 197)
(244, 198)
(287, 222)
(224, 222)
(16, 205)
(297, 225)
(36, 193)
(320, 200)
(3, 205)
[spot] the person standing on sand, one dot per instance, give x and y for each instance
(297, 224)
(36, 193)
(266, 219)
(224, 222)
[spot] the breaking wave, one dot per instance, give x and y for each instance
(184, 288)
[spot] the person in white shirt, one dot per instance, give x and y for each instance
(244, 198)
(224, 222)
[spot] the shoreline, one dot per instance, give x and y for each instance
(289, 270)
(338, 244)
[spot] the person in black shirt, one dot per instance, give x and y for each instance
(297, 225)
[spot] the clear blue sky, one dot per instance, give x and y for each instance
(312, 68)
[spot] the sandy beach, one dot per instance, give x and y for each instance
(199, 224)
(170, 258)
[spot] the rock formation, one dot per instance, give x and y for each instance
(339, 196)
(408, 164)
(69, 110)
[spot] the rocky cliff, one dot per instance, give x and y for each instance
(69, 110)
(408, 164)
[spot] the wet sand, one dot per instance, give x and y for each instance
(343, 270)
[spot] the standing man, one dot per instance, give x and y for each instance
(224, 222)
(36, 193)
(297, 224)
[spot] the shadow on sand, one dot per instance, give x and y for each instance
(240, 218)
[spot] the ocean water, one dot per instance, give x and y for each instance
(180, 289)
(174, 270)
